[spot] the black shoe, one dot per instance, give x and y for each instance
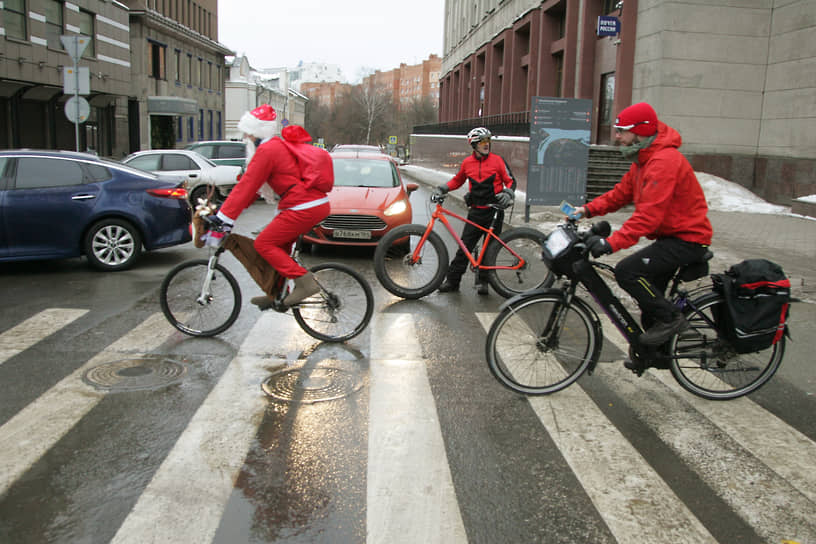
(448, 287)
(481, 288)
(661, 331)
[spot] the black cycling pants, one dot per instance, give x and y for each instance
(646, 273)
(470, 236)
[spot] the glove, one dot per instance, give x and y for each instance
(598, 246)
(505, 198)
(219, 222)
(442, 189)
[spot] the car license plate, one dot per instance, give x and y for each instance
(354, 234)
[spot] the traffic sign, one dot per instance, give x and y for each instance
(76, 80)
(75, 45)
(77, 109)
(392, 139)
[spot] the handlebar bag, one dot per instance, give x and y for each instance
(757, 295)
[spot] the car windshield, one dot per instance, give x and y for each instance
(364, 173)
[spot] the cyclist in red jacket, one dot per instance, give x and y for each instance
(273, 172)
(670, 208)
(490, 182)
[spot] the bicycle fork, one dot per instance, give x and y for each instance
(204, 297)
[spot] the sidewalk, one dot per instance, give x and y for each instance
(785, 239)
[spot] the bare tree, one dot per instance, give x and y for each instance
(375, 102)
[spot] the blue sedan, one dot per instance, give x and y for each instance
(59, 204)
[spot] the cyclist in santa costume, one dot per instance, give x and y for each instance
(273, 172)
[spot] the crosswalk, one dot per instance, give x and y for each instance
(757, 465)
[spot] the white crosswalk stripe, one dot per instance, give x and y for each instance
(410, 491)
(36, 428)
(34, 329)
(754, 462)
(635, 502)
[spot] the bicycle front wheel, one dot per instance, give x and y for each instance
(527, 244)
(539, 345)
(195, 308)
(705, 364)
(403, 275)
(342, 308)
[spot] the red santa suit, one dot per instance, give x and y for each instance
(300, 207)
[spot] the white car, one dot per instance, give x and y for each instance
(180, 164)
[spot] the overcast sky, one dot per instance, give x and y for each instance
(355, 34)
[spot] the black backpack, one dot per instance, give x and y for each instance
(757, 295)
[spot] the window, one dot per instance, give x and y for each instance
(200, 73)
(86, 28)
(178, 162)
(189, 72)
(177, 55)
(218, 130)
(149, 163)
(180, 129)
(231, 152)
(190, 128)
(200, 124)
(206, 150)
(37, 172)
(14, 18)
(210, 124)
(156, 52)
(53, 23)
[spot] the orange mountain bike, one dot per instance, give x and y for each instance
(411, 260)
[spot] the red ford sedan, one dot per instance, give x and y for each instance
(368, 199)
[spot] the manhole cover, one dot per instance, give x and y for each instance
(135, 374)
(314, 384)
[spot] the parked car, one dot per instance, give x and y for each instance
(356, 148)
(60, 204)
(228, 152)
(181, 164)
(369, 198)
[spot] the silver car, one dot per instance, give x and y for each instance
(199, 172)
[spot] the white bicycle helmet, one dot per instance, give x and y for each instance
(477, 135)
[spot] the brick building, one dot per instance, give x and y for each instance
(735, 78)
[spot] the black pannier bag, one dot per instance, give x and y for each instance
(757, 295)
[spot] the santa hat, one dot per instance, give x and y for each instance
(639, 119)
(259, 122)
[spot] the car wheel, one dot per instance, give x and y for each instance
(112, 244)
(200, 192)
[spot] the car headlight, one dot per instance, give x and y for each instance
(396, 208)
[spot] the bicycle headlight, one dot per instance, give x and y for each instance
(396, 208)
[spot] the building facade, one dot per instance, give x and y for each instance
(409, 82)
(735, 78)
(156, 74)
(177, 73)
(247, 88)
(32, 67)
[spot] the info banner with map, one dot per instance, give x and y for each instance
(560, 133)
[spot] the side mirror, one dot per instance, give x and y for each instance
(411, 187)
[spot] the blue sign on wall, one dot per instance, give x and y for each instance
(608, 25)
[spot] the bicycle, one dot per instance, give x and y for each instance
(202, 298)
(411, 260)
(544, 341)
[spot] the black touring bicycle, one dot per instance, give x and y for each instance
(543, 341)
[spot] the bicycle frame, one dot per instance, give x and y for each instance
(439, 215)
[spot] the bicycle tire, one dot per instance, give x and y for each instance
(342, 308)
(401, 277)
(180, 299)
(528, 243)
(721, 374)
(536, 363)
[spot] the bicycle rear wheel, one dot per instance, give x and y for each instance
(399, 273)
(342, 308)
(197, 311)
(705, 364)
(534, 274)
(538, 345)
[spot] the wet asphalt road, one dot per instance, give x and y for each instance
(84, 462)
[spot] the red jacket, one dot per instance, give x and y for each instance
(669, 201)
(275, 165)
(487, 175)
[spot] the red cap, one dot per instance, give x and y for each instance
(639, 118)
